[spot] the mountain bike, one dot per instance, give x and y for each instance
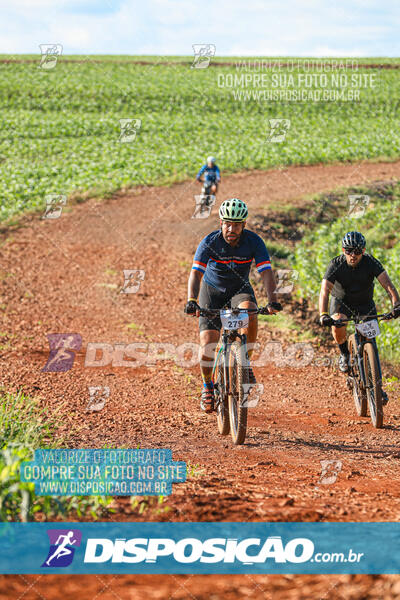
(230, 374)
(207, 198)
(365, 375)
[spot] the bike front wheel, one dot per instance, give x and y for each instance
(221, 396)
(239, 377)
(374, 390)
(359, 393)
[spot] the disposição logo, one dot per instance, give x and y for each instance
(63, 543)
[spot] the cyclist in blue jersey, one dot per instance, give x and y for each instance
(212, 176)
(220, 274)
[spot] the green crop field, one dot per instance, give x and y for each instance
(60, 130)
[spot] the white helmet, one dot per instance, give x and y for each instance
(211, 159)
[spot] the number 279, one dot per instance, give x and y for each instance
(235, 324)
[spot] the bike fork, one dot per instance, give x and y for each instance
(226, 366)
(360, 351)
(377, 358)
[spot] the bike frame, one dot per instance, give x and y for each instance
(228, 337)
(361, 340)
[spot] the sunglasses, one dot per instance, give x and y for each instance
(355, 251)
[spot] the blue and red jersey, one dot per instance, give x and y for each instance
(227, 267)
(211, 174)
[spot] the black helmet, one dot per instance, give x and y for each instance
(353, 239)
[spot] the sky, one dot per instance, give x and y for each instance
(236, 27)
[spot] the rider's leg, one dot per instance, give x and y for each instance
(340, 337)
(338, 310)
(340, 333)
(246, 299)
(208, 340)
(251, 333)
(251, 330)
(209, 297)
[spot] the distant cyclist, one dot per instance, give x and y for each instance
(212, 176)
(349, 278)
(224, 258)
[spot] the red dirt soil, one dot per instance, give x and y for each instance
(65, 275)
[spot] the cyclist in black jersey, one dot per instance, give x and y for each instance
(349, 279)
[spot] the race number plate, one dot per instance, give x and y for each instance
(370, 329)
(234, 321)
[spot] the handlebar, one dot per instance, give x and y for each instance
(360, 319)
(209, 312)
(209, 181)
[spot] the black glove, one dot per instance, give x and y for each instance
(191, 307)
(275, 305)
(326, 321)
(396, 311)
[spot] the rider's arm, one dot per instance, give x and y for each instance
(387, 284)
(268, 279)
(263, 266)
(200, 173)
(260, 253)
(326, 288)
(200, 260)
(195, 278)
(218, 174)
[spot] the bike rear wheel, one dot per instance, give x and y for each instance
(374, 390)
(359, 393)
(221, 396)
(238, 376)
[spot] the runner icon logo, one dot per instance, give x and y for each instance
(358, 204)
(63, 543)
(203, 54)
(54, 206)
(129, 129)
(330, 470)
(62, 356)
(278, 129)
(98, 397)
(133, 278)
(50, 54)
(286, 279)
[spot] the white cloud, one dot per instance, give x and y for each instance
(256, 27)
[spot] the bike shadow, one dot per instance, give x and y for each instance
(383, 451)
(391, 427)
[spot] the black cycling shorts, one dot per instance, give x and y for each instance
(210, 297)
(337, 306)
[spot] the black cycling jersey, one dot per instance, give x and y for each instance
(353, 285)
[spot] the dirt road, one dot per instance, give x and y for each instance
(65, 276)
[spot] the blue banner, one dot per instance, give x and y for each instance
(205, 548)
(104, 472)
